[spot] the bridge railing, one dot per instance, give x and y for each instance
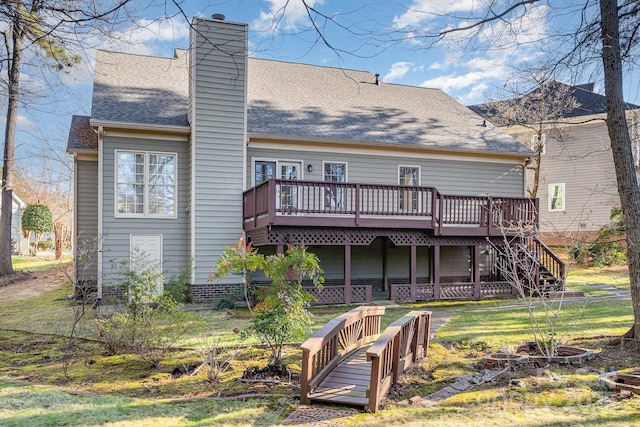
(333, 342)
(400, 347)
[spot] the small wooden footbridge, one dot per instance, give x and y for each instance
(350, 362)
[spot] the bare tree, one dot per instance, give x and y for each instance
(541, 111)
(47, 28)
(606, 31)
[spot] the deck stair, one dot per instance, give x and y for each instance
(536, 266)
(349, 362)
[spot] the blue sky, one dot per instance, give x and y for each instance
(378, 36)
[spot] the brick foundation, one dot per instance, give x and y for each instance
(215, 292)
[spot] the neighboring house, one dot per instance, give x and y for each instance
(577, 186)
(19, 244)
(397, 189)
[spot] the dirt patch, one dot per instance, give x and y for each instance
(23, 284)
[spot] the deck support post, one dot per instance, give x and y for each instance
(280, 249)
(412, 273)
(476, 272)
(385, 270)
(436, 272)
(347, 274)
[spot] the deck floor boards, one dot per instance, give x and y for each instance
(348, 382)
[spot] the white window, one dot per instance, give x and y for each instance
(334, 194)
(556, 197)
(146, 184)
(542, 146)
(264, 171)
(408, 176)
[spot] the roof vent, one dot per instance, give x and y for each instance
(218, 16)
(377, 79)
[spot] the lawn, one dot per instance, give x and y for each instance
(39, 382)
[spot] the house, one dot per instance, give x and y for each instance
(19, 244)
(577, 184)
(399, 190)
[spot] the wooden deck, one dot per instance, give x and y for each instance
(349, 362)
(279, 202)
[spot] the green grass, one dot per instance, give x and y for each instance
(37, 264)
(29, 406)
(131, 393)
(511, 326)
(613, 276)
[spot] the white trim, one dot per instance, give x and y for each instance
(414, 167)
(155, 136)
(139, 126)
(92, 156)
(550, 197)
(74, 231)
(100, 205)
(145, 207)
(416, 153)
(277, 161)
(340, 162)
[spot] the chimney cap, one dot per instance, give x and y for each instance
(218, 16)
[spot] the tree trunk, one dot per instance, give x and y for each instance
(621, 147)
(58, 229)
(13, 76)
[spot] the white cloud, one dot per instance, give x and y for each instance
(422, 11)
(284, 14)
(398, 71)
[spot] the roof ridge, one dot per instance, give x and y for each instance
(140, 55)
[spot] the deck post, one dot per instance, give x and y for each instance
(254, 195)
(280, 249)
(436, 272)
(476, 272)
(271, 201)
(412, 273)
(347, 274)
(357, 207)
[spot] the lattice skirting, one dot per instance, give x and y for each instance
(443, 291)
(336, 294)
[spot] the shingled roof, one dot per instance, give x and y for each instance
(299, 101)
(82, 137)
(588, 102)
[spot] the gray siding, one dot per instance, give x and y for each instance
(217, 90)
(117, 231)
(86, 219)
(582, 161)
(448, 176)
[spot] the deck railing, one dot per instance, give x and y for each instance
(400, 346)
(333, 342)
(311, 203)
(546, 257)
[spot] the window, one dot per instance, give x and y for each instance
(264, 171)
(145, 184)
(408, 176)
(556, 197)
(335, 194)
(539, 146)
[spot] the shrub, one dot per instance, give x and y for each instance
(606, 249)
(282, 316)
(152, 322)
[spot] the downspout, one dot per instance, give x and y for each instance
(100, 206)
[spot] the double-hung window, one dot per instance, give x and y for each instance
(334, 194)
(408, 176)
(146, 184)
(556, 197)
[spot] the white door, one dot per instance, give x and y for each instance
(289, 171)
(146, 254)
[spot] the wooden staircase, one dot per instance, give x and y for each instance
(530, 263)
